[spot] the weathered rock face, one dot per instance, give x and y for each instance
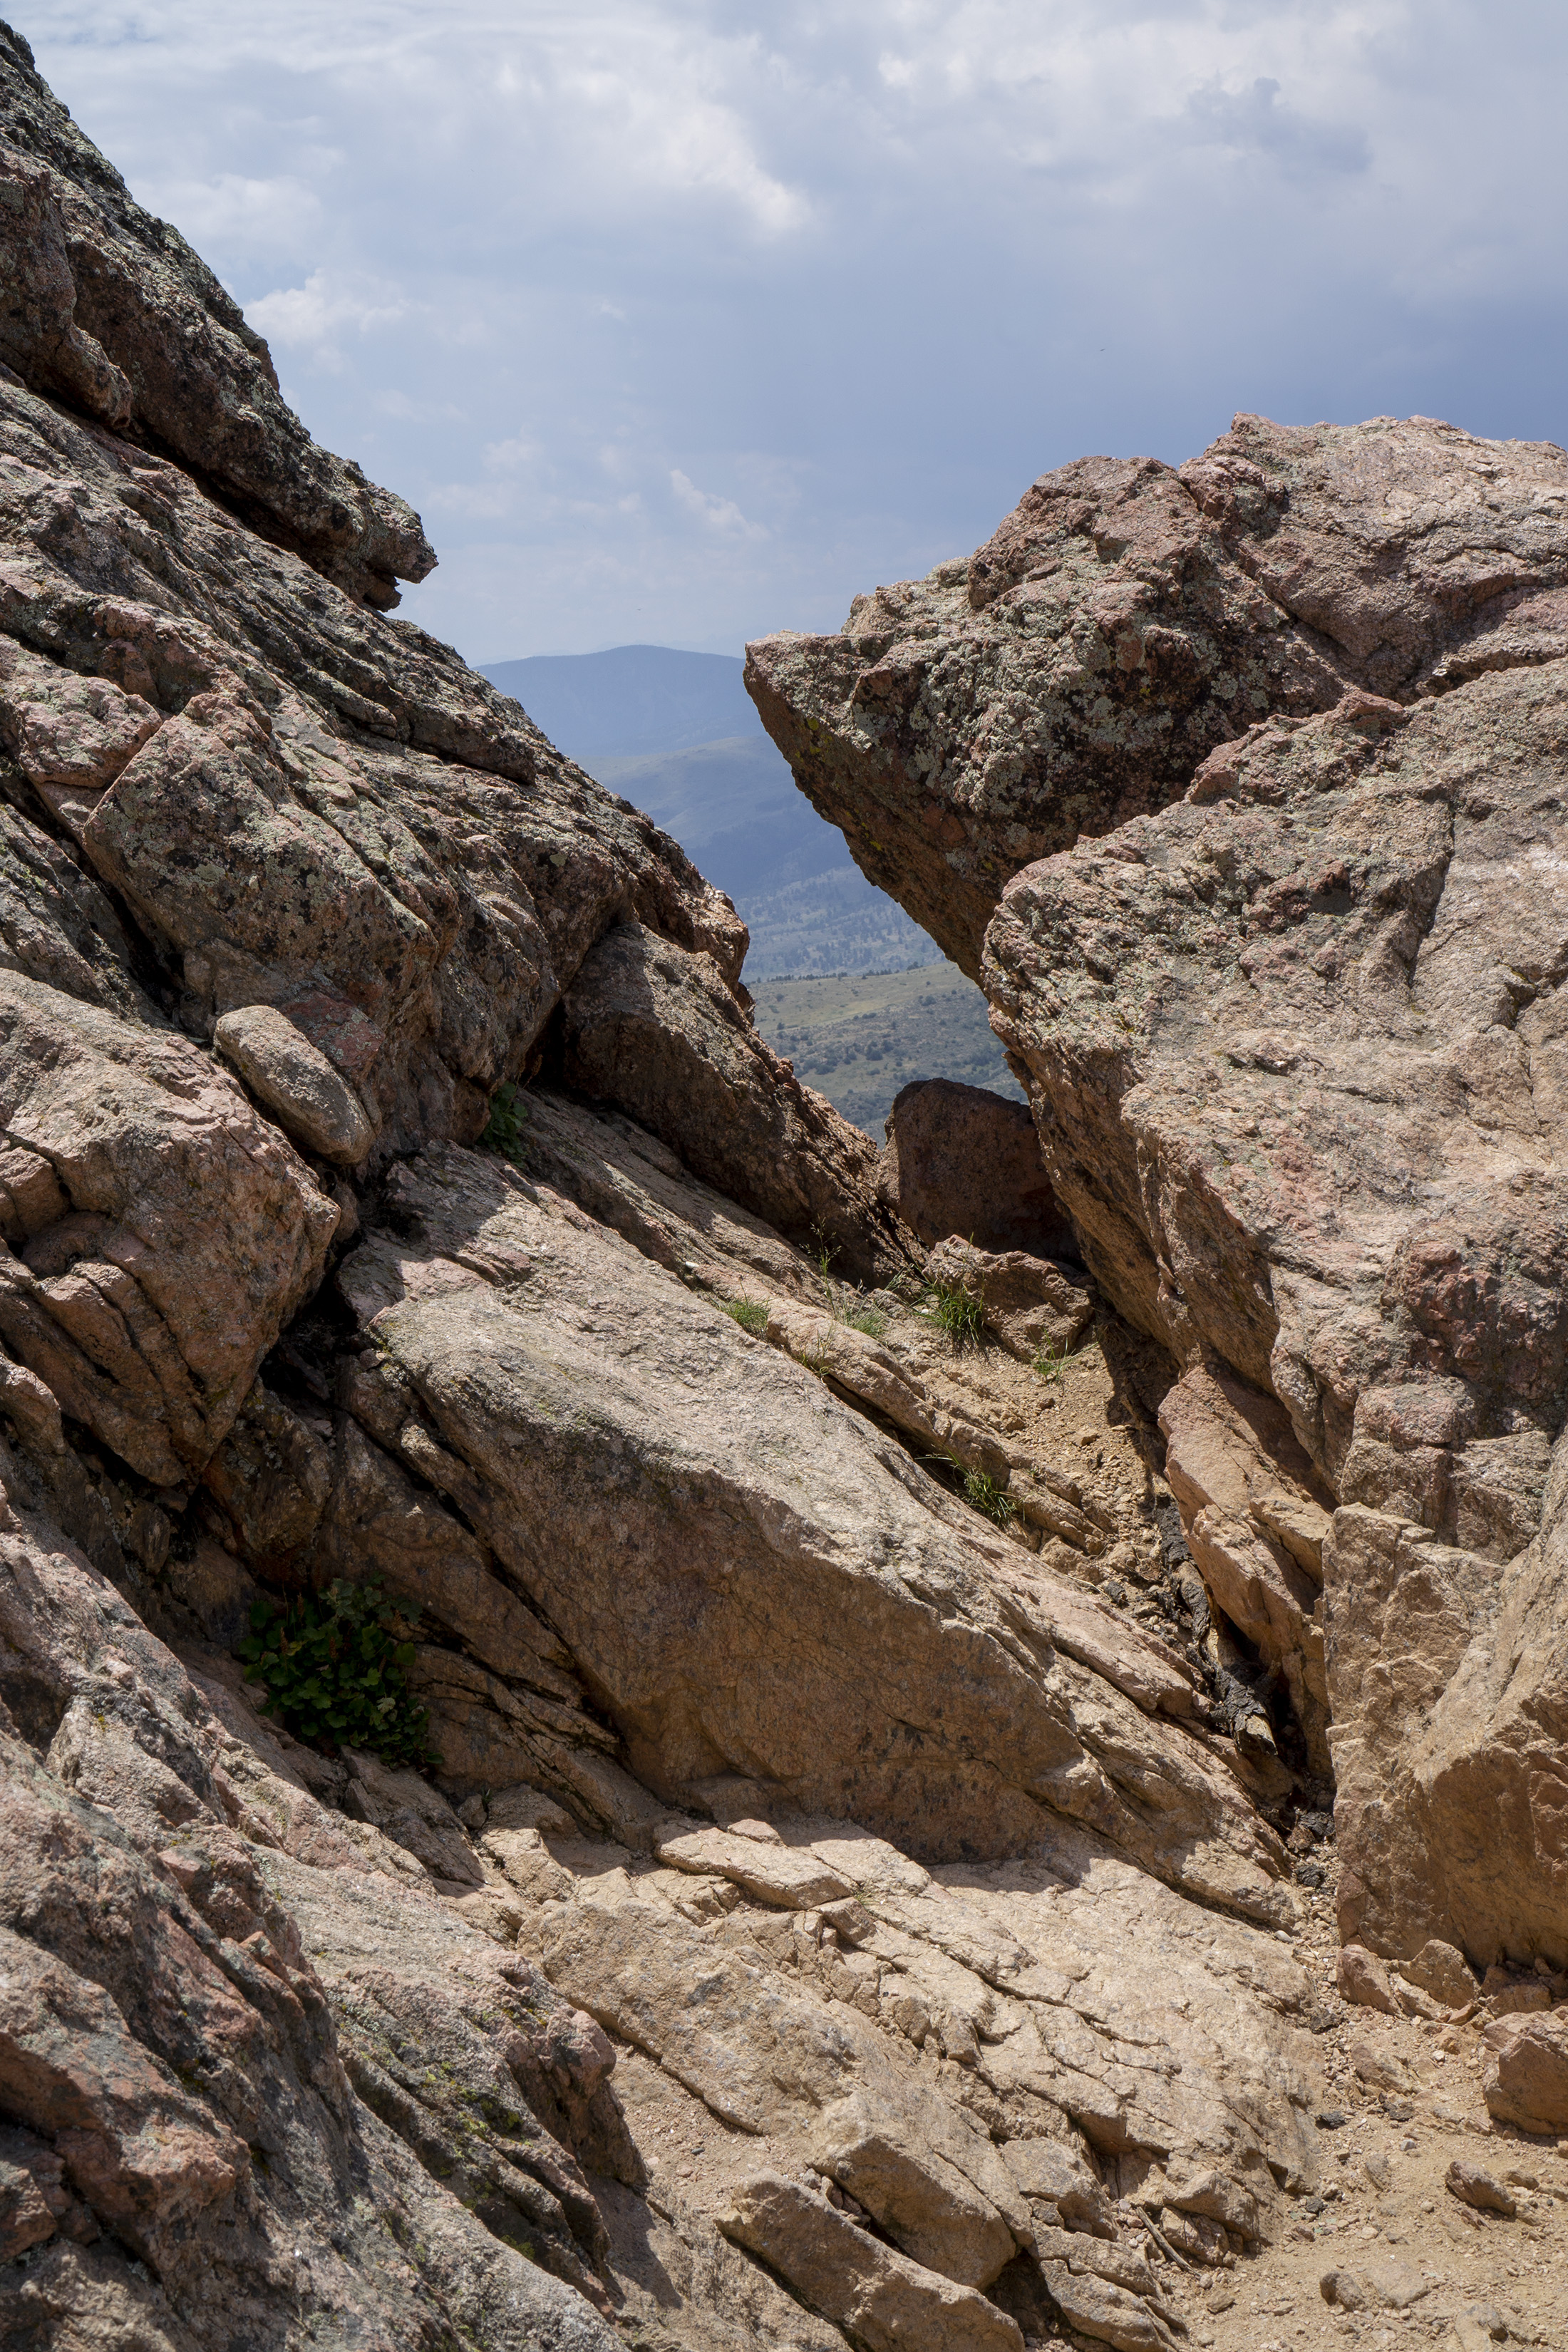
(110, 309)
(751, 1580)
(1127, 619)
(1291, 1048)
(1200, 1002)
(959, 1160)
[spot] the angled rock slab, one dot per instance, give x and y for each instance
(879, 2296)
(622, 1428)
(653, 1029)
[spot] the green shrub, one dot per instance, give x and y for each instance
(982, 1490)
(749, 1313)
(335, 1670)
(504, 1127)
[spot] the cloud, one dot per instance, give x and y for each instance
(1252, 120)
(719, 514)
(881, 264)
(312, 317)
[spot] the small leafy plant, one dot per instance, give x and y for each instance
(749, 1313)
(958, 1311)
(335, 1669)
(981, 1490)
(1051, 1363)
(504, 1127)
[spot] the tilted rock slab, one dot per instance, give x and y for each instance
(1127, 619)
(749, 1576)
(652, 1028)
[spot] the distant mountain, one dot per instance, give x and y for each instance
(735, 810)
(630, 701)
(676, 735)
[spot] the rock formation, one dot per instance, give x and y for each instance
(1286, 1011)
(883, 1650)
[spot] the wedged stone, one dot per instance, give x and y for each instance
(1254, 1514)
(1103, 2311)
(1362, 1979)
(1441, 1971)
(296, 1082)
(1473, 2184)
(931, 2179)
(1524, 2070)
(961, 1159)
(772, 1873)
(653, 1029)
(881, 2297)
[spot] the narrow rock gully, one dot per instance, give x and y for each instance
(626, 1718)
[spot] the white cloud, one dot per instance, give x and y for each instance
(312, 317)
(719, 514)
(886, 261)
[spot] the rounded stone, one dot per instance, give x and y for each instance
(310, 1100)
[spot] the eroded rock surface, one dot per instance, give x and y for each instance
(1290, 1043)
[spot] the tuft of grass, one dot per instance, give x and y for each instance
(849, 1308)
(749, 1313)
(981, 1491)
(335, 1669)
(1051, 1363)
(960, 1313)
(823, 1251)
(504, 1127)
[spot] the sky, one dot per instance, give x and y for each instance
(681, 320)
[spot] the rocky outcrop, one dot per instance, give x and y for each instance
(857, 1884)
(1128, 619)
(1289, 1046)
(110, 310)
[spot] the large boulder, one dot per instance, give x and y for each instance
(1200, 1002)
(961, 1159)
(1127, 619)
